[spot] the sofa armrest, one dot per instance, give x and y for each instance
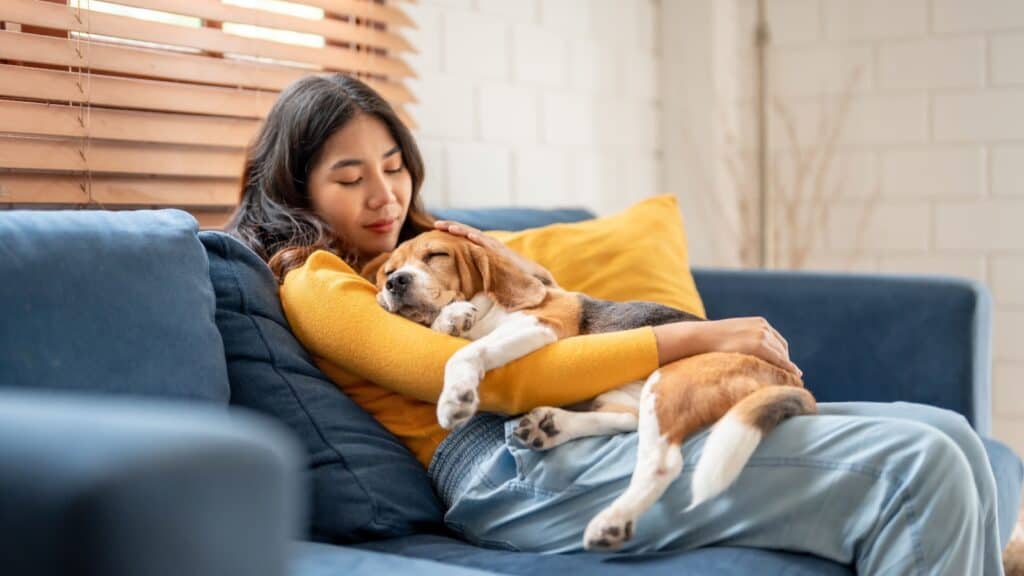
(116, 486)
(871, 337)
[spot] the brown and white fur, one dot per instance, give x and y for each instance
(454, 286)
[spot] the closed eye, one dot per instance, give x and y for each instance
(434, 255)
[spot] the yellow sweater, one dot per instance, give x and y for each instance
(394, 368)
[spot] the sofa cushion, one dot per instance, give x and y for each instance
(637, 254)
(108, 301)
(365, 483)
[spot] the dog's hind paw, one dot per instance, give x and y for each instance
(608, 531)
(540, 429)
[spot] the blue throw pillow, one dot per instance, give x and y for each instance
(365, 483)
(108, 301)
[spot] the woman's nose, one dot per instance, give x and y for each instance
(380, 193)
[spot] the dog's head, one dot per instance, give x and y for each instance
(434, 269)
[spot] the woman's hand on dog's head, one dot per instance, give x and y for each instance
(480, 239)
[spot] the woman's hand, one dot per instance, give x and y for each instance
(480, 239)
(749, 335)
(754, 336)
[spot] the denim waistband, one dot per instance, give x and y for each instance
(460, 453)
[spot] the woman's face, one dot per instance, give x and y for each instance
(359, 185)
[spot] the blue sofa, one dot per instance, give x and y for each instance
(157, 416)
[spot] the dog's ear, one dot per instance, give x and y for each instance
(373, 267)
(505, 283)
(467, 265)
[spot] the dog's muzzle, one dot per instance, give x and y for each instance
(396, 288)
(397, 284)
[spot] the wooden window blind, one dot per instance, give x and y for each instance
(151, 103)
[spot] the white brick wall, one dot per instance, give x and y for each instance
(980, 226)
(977, 15)
(793, 21)
(475, 46)
(1008, 279)
(508, 114)
(466, 186)
(892, 227)
(933, 63)
(933, 172)
(540, 56)
(875, 19)
(797, 70)
(1005, 64)
(932, 143)
(1007, 170)
(984, 115)
(887, 119)
(537, 102)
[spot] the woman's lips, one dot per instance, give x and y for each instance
(381, 226)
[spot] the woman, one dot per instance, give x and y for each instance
(333, 180)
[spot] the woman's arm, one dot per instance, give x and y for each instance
(749, 335)
(334, 313)
(752, 335)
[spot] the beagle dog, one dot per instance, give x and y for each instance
(459, 288)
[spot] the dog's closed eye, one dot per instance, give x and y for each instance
(431, 255)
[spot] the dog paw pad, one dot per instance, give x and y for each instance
(539, 429)
(609, 530)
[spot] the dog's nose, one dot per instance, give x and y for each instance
(398, 283)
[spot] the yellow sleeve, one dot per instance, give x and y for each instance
(334, 313)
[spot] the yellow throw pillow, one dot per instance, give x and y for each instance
(637, 254)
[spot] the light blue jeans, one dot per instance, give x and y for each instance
(888, 488)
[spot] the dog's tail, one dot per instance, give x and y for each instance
(735, 436)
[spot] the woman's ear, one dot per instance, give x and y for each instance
(373, 267)
(505, 283)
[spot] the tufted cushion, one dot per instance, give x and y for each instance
(365, 483)
(108, 301)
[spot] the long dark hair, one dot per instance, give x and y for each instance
(275, 215)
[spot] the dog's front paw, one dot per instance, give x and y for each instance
(540, 429)
(455, 319)
(608, 530)
(459, 400)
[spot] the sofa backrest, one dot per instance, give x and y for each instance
(104, 301)
(511, 219)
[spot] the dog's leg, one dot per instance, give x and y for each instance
(517, 335)
(546, 427)
(658, 462)
(610, 413)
